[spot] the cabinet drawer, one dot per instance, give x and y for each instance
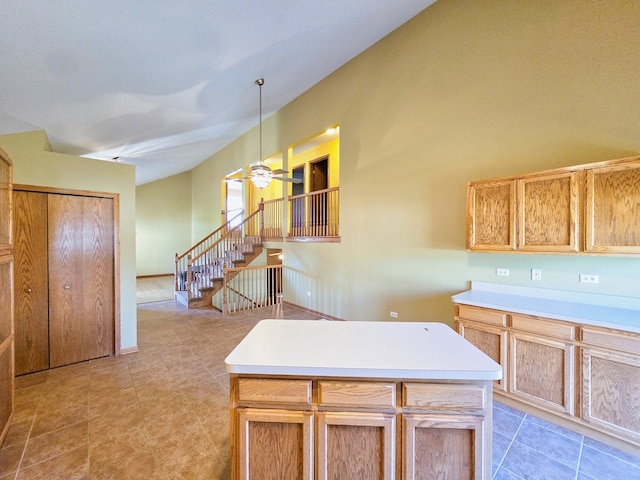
(624, 341)
(435, 397)
(273, 390)
(493, 317)
(551, 328)
(357, 394)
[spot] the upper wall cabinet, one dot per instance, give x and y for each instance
(491, 221)
(548, 213)
(592, 208)
(612, 210)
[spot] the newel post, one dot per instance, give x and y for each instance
(175, 275)
(261, 208)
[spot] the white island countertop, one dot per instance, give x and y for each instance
(408, 350)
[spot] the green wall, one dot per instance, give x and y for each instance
(163, 223)
(34, 165)
(464, 91)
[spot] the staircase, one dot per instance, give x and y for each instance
(199, 272)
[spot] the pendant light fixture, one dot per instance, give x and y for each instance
(261, 174)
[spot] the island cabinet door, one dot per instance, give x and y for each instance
(275, 444)
(356, 445)
(444, 447)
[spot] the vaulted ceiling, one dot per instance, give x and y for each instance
(164, 84)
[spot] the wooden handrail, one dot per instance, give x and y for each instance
(217, 231)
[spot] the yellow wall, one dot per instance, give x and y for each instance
(163, 223)
(331, 148)
(34, 165)
(466, 90)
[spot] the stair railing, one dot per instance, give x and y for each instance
(198, 267)
(246, 288)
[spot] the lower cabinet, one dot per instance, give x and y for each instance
(356, 445)
(457, 437)
(263, 437)
(588, 375)
(335, 429)
(611, 380)
(542, 365)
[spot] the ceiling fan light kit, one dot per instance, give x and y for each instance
(261, 174)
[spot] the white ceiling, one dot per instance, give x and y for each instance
(164, 84)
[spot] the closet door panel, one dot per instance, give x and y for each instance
(97, 276)
(30, 277)
(66, 319)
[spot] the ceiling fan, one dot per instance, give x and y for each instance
(260, 173)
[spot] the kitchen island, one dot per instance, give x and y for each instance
(359, 400)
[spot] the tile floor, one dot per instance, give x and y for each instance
(163, 413)
(527, 447)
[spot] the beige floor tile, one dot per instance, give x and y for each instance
(161, 413)
(55, 443)
(73, 465)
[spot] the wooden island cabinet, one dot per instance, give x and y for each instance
(575, 356)
(359, 400)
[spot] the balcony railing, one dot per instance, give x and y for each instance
(315, 214)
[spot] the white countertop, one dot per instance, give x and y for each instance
(409, 350)
(622, 313)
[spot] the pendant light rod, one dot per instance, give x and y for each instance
(260, 82)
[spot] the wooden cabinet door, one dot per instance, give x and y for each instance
(612, 212)
(31, 282)
(6, 343)
(542, 371)
(444, 447)
(548, 213)
(81, 288)
(492, 341)
(356, 445)
(6, 297)
(610, 383)
(491, 216)
(274, 444)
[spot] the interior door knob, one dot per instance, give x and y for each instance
(67, 287)
(27, 290)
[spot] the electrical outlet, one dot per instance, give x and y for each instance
(502, 272)
(536, 274)
(393, 314)
(588, 278)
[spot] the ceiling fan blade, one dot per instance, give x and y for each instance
(287, 179)
(279, 171)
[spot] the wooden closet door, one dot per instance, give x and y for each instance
(81, 289)
(31, 295)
